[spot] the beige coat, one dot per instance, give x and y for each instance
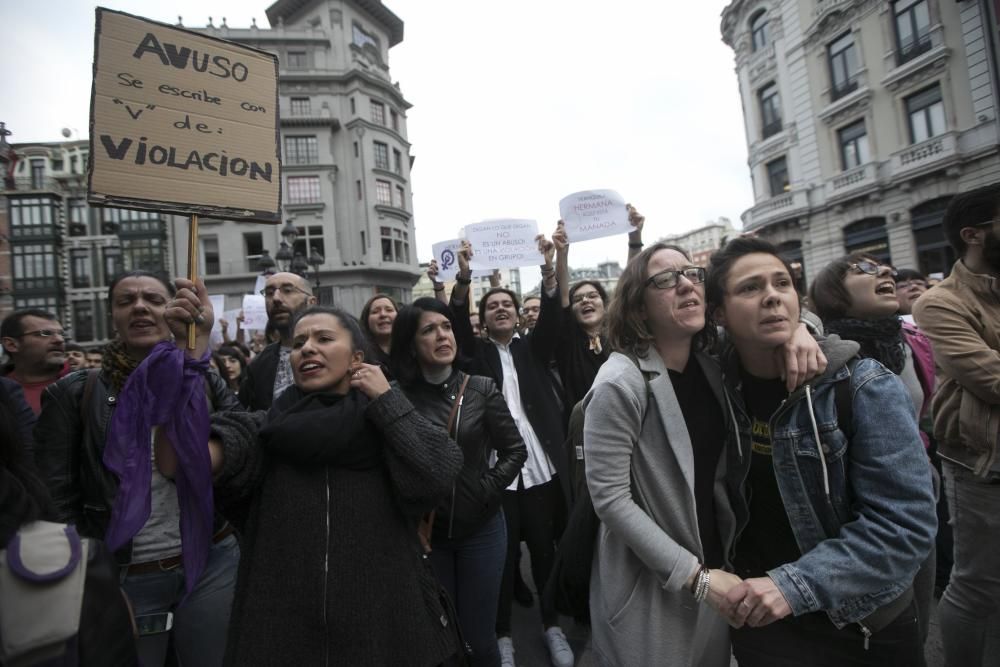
(961, 316)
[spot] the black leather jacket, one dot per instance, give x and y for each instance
(69, 453)
(484, 425)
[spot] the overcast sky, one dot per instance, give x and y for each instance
(515, 104)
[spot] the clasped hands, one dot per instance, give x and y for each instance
(755, 602)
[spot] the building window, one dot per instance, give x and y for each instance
(32, 216)
(297, 60)
(310, 238)
(210, 264)
(354, 109)
(395, 245)
(777, 176)
(37, 174)
(913, 29)
(934, 253)
(253, 244)
(381, 155)
(869, 237)
(301, 106)
(401, 196)
(770, 110)
(378, 112)
(397, 161)
(303, 189)
(112, 260)
(357, 151)
(853, 141)
(383, 193)
(80, 267)
(360, 190)
(83, 321)
(142, 254)
(127, 221)
(760, 34)
(394, 117)
(72, 164)
(925, 111)
(79, 218)
(49, 303)
(301, 150)
(843, 66)
(34, 266)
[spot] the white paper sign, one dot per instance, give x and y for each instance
(503, 244)
(446, 254)
(254, 312)
(218, 308)
(593, 214)
(259, 285)
(230, 317)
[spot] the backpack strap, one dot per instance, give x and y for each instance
(88, 391)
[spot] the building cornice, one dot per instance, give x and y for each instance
(283, 9)
(345, 78)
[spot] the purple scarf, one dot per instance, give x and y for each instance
(167, 390)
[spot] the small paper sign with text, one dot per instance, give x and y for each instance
(503, 244)
(254, 313)
(182, 122)
(593, 214)
(446, 254)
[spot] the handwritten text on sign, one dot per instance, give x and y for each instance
(594, 213)
(182, 122)
(502, 244)
(446, 254)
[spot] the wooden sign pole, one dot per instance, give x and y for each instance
(193, 274)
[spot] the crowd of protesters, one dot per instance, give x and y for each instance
(703, 467)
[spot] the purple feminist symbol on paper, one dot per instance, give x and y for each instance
(447, 259)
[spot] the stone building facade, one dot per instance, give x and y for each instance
(863, 118)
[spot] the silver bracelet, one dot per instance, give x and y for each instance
(704, 580)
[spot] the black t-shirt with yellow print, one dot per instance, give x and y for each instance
(767, 541)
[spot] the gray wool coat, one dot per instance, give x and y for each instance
(640, 472)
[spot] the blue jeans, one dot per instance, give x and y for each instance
(470, 569)
(971, 598)
(202, 622)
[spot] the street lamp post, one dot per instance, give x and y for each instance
(299, 264)
(315, 261)
(265, 263)
(284, 256)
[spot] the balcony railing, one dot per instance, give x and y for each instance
(852, 181)
(770, 129)
(783, 207)
(925, 154)
(908, 52)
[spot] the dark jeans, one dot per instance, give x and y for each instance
(813, 641)
(532, 514)
(471, 569)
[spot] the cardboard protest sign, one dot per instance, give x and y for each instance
(254, 313)
(593, 214)
(446, 254)
(182, 123)
(503, 244)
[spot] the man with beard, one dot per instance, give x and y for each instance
(36, 344)
(270, 372)
(76, 356)
(961, 316)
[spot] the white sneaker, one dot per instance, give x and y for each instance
(506, 647)
(559, 650)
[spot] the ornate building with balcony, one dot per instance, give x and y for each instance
(863, 119)
(346, 159)
(64, 253)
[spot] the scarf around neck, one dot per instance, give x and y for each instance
(166, 389)
(880, 339)
(322, 428)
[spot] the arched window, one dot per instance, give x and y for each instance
(792, 252)
(760, 34)
(934, 253)
(870, 237)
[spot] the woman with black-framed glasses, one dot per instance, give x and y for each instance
(856, 298)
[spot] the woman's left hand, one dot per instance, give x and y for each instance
(800, 358)
(755, 602)
(370, 379)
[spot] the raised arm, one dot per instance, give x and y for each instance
(432, 274)
(635, 236)
(459, 303)
(561, 243)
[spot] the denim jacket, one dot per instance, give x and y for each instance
(858, 497)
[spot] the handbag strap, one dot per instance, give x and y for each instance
(457, 404)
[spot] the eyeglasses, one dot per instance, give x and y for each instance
(669, 279)
(907, 284)
(589, 296)
(872, 269)
(43, 333)
(286, 290)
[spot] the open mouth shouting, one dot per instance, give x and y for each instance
(886, 288)
(689, 303)
(310, 367)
